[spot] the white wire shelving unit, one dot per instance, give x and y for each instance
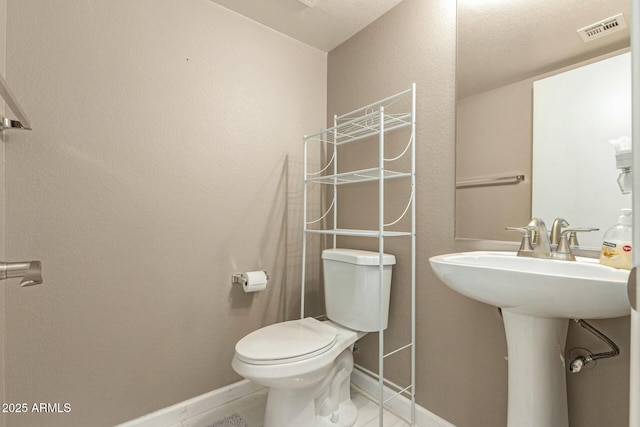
(370, 124)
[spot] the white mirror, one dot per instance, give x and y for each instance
(575, 115)
(503, 47)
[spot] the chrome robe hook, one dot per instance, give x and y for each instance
(29, 271)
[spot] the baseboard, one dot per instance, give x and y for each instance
(173, 416)
(400, 404)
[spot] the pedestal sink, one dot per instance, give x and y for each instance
(537, 298)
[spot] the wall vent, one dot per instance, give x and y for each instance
(603, 28)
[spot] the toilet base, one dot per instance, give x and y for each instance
(292, 409)
(325, 404)
(347, 416)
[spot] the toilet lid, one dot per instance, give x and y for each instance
(286, 342)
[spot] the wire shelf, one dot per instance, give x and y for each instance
(374, 121)
(359, 233)
(362, 127)
(364, 175)
(397, 113)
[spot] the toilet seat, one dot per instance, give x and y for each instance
(286, 342)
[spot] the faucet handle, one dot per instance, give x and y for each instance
(573, 239)
(578, 229)
(525, 245)
(564, 249)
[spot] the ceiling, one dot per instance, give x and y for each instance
(325, 26)
(499, 41)
(505, 41)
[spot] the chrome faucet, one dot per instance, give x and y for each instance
(543, 245)
(556, 231)
(542, 248)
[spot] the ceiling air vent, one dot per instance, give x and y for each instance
(603, 28)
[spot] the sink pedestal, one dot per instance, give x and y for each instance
(537, 371)
(542, 295)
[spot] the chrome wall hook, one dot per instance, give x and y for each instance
(29, 271)
(22, 122)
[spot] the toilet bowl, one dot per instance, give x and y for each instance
(307, 366)
(307, 363)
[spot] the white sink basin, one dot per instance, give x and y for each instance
(537, 287)
(537, 297)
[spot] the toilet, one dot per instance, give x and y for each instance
(307, 363)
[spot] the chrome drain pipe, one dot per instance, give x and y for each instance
(579, 362)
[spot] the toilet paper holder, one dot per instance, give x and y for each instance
(238, 278)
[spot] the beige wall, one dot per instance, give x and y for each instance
(493, 139)
(415, 42)
(166, 155)
(461, 349)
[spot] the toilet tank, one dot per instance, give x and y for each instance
(351, 291)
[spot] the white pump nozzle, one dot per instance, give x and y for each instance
(626, 217)
(623, 152)
(624, 160)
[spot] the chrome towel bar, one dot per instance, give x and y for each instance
(485, 182)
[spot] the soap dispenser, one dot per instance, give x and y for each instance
(616, 244)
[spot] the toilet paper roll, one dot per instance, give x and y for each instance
(254, 281)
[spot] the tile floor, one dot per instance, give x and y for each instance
(368, 412)
(251, 409)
